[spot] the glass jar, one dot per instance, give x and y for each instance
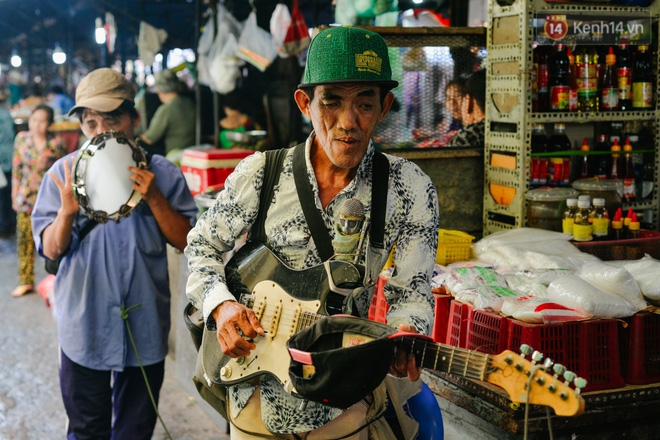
(546, 207)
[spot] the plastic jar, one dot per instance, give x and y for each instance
(610, 190)
(546, 207)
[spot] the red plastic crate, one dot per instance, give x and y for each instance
(640, 349)
(441, 314)
(488, 332)
(628, 249)
(458, 324)
(599, 354)
(590, 349)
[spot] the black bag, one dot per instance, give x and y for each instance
(52, 266)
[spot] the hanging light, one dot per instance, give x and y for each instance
(59, 57)
(100, 31)
(16, 60)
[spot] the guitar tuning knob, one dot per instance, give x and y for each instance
(526, 350)
(569, 377)
(547, 363)
(580, 384)
(559, 370)
(537, 356)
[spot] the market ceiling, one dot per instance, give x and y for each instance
(36, 25)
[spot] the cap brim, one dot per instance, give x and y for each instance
(98, 103)
(388, 84)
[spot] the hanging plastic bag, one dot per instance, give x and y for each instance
(255, 45)
(217, 64)
(297, 35)
(279, 25)
(224, 68)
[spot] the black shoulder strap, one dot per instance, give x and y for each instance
(86, 230)
(272, 171)
(319, 231)
(380, 170)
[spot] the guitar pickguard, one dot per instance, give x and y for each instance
(281, 315)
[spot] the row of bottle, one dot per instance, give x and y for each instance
(622, 162)
(584, 221)
(588, 81)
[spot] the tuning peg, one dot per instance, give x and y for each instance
(547, 363)
(537, 356)
(569, 377)
(526, 350)
(559, 369)
(580, 384)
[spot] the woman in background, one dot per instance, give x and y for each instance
(236, 118)
(35, 151)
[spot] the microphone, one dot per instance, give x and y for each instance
(349, 231)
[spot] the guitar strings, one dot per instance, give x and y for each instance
(527, 405)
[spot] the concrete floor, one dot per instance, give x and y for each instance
(30, 405)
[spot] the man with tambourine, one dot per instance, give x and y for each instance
(107, 212)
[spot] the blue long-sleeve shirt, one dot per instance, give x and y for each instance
(115, 265)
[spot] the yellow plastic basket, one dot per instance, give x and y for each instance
(453, 246)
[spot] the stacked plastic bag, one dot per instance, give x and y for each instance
(538, 276)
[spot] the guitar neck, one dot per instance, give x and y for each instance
(448, 359)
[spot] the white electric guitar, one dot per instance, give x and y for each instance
(282, 315)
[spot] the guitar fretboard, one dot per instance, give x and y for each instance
(448, 359)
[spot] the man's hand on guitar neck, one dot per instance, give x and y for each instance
(404, 363)
(237, 326)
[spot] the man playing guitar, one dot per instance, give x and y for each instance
(346, 92)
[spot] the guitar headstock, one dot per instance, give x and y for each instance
(513, 371)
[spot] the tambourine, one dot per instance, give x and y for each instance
(101, 180)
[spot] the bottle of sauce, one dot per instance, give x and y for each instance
(616, 169)
(559, 167)
(569, 217)
(540, 104)
(582, 227)
(624, 65)
(600, 219)
(633, 248)
(558, 80)
(609, 95)
(642, 79)
(572, 81)
(602, 161)
(586, 60)
(539, 175)
(628, 176)
(585, 161)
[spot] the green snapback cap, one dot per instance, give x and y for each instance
(347, 54)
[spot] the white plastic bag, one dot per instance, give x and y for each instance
(279, 23)
(217, 64)
(255, 45)
(479, 286)
(529, 248)
(537, 310)
(224, 68)
(646, 271)
(613, 279)
(588, 300)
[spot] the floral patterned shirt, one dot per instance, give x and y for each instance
(411, 222)
(29, 165)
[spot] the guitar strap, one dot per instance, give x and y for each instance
(272, 171)
(320, 234)
(379, 185)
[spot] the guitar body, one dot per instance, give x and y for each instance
(254, 262)
(281, 315)
(285, 300)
